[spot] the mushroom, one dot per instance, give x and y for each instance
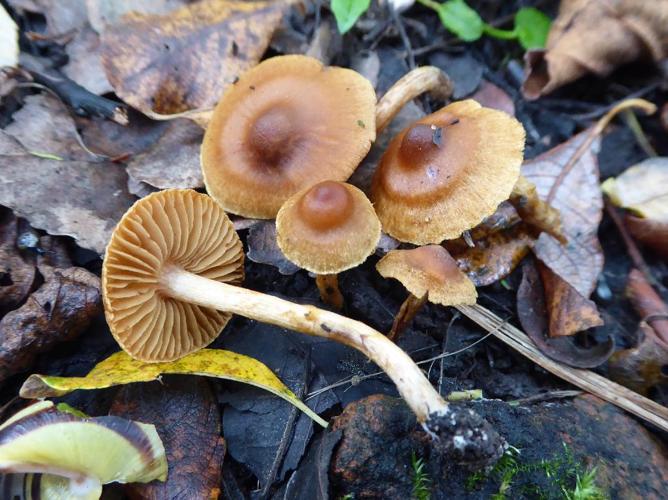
(164, 281)
(286, 124)
(428, 273)
(446, 172)
(327, 229)
(290, 122)
(77, 455)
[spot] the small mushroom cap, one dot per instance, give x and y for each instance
(447, 172)
(287, 124)
(328, 228)
(175, 227)
(429, 270)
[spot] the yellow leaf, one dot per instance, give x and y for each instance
(643, 189)
(120, 368)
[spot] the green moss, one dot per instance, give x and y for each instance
(565, 478)
(421, 481)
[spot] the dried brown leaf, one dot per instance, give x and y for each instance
(186, 416)
(61, 16)
(44, 126)
(17, 268)
(263, 249)
(533, 314)
(492, 96)
(102, 13)
(173, 161)
(72, 198)
(185, 59)
(573, 189)
(84, 64)
(57, 311)
(643, 366)
(495, 254)
(569, 312)
(648, 304)
(596, 36)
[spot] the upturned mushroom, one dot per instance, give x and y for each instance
(67, 456)
(327, 229)
(290, 122)
(446, 172)
(164, 283)
(428, 273)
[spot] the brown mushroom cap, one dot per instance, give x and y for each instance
(168, 228)
(287, 124)
(446, 172)
(328, 228)
(429, 270)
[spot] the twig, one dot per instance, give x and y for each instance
(356, 379)
(631, 247)
(584, 379)
(287, 432)
(83, 102)
(633, 123)
(546, 396)
(396, 17)
(592, 115)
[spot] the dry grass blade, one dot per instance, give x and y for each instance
(584, 379)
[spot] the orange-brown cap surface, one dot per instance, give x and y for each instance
(168, 228)
(446, 172)
(431, 271)
(328, 228)
(287, 124)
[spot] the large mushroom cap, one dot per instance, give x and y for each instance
(446, 172)
(287, 124)
(431, 271)
(328, 228)
(169, 228)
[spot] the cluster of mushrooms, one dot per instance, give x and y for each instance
(282, 142)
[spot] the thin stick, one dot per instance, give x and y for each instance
(411, 383)
(584, 379)
(411, 85)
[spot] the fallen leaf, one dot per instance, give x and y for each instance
(120, 369)
(17, 268)
(533, 315)
(72, 198)
(263, 249)
(57, 311)
(186, 417)
(651, 233)
(642, 189)
(84, 64)
(44, 126)
(9, 40)
(489, 95)
(61, 16)
(641, 367)
(574, 191)
(102, 13)
(495, 254)
(596, 36)
(648, 304)
(464, 70)
(569, 312)
(173, 161)
(185, 59)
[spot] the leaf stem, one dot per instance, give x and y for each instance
(499, 33)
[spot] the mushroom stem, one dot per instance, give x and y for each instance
(328, 284)
(413, 386)
(534, 211)
(408, 87)
(407, 312)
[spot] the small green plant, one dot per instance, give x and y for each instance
(585, 488)
(421, 481)
(530, 29)
(347, 12)
(349, 496)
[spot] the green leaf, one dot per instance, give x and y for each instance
(347, 12)
(461, 19)
(120, 368)
(532, 27)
